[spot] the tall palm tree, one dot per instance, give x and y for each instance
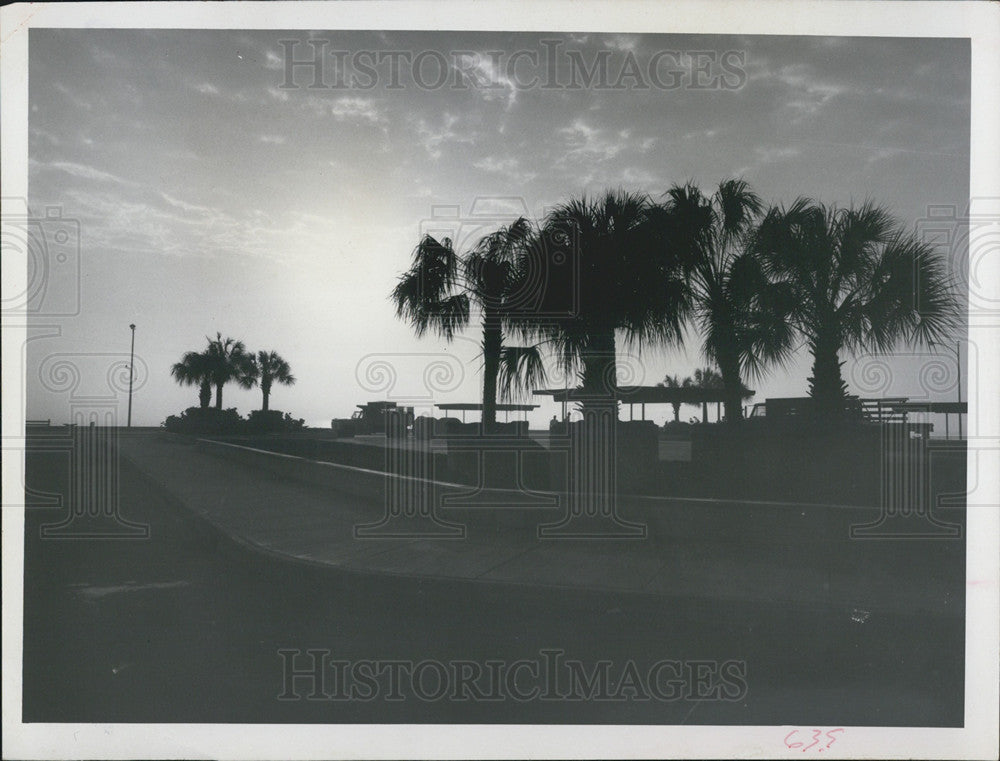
(441, 289)
(742, 316)
(268, 368)
(194, 369)
(672, 381)
(859, 282)
(228, 361)
(627, 280)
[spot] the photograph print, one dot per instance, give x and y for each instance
(568, 377)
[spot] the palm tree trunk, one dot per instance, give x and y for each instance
(205, 394)
(264, 405)
(492, 346)
(594, 462)
(599, 378)
(677, 412)
(265, 389)
(218, 396)
(733, 388)
(826, 386)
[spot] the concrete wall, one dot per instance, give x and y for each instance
(488, 510)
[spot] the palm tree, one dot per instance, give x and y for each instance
(672, 381)
(859, 282)
(228, 361)
(626, 280)
(441, 288)
(194, 369)
(742, 316)
(705, 378)
(268, 368)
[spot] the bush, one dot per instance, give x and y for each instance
(208, 420)
(205, 420)
(272, 421)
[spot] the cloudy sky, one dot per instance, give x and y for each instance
(210, 197)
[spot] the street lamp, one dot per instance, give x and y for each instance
(131, 372)
(956, 352)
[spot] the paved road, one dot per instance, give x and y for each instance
(185, 626)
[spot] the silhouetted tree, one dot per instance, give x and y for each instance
(672, 381)
(858, 282)
(268, 368)
(626, 279)
(441, 288)
(705, 377)
(228, 361)
(194, 369)
(709, 378)
(741, 315)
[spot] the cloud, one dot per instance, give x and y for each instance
(272, 139)
(804, 93)
(764, 155)
(350, 108)
(433, 138)
(623, 42)
(42, 134)
(590, 142)
(639, 176)
(273, 61)
(506, 166)
(59, 87)
(485, 76)
(84, 172)
(205, 88)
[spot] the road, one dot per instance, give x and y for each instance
(187, 627)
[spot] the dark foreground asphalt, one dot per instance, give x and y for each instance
(187, 627)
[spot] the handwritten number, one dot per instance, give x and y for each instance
(817, 734)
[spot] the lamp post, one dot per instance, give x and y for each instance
(956, 351)
(131, 373)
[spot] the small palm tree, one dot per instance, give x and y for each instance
(268, 368)
(742, 315)
(705, 377)
(673, 381)
(711, 379)
(228, 361)
(441, 289)
(194, 369)
(859, 282)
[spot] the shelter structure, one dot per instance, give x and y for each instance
(464, 407)
(643, 395)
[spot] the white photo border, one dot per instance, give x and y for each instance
(977, 21)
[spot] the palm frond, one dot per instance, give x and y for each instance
(522, 370)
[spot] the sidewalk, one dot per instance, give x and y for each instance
(297, 520)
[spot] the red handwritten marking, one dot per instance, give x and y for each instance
(816, 735)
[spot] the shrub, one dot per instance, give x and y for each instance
(208, 420)
(205, 420)
(272, 421)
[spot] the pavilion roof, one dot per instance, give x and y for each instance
(649, 394)
(476, 407)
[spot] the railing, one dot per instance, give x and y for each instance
(884, 410)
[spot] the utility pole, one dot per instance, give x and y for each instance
(131, 374)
